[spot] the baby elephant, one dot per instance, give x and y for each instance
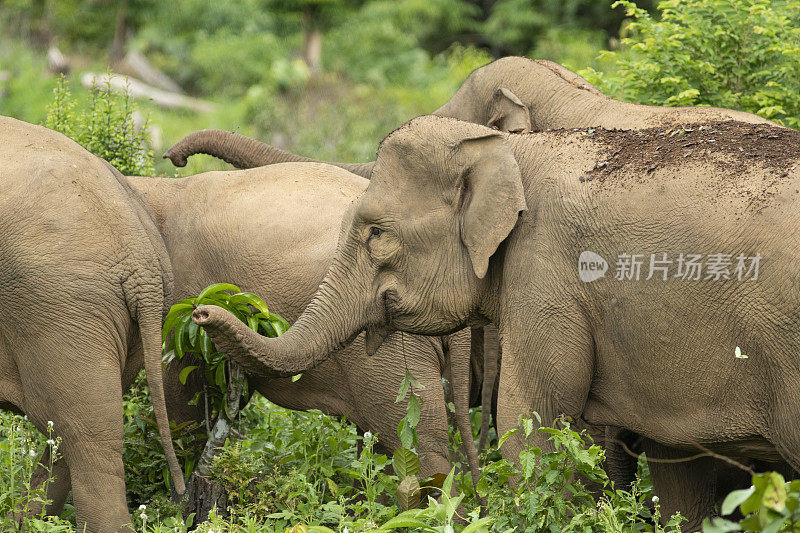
(84, 277)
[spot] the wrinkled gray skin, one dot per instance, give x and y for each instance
(273, 231)
(84, 278)
(513, 94)
(461, 225)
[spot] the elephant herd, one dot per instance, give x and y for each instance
(624, 253)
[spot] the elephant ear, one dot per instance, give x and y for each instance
(509, 113)
(490, 196)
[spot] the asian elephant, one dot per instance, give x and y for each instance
(462, 224)
(517, 94)
(273, 231)
(84, 280)
(512, 94)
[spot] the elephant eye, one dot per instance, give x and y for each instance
(375, 231)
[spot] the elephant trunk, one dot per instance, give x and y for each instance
(335, 316)
(244, 152)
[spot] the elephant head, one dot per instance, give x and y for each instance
(414, 251)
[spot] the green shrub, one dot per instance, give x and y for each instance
(770, 505)
(739, 54)
(105, 127)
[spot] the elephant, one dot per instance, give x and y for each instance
(85, 279)
(285, 219)
(216, 226)
(462, 224)
(517, 94)
(512, 94)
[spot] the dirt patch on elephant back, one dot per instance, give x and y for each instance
(734, 146)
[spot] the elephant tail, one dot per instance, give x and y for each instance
(460, 354)
(243, 152)
(149, 318)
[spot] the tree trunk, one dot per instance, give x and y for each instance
(117, 51)
(203, 494)
(312, 41)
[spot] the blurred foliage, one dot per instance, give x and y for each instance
(739, 54)
(382, 61)
(106, 127)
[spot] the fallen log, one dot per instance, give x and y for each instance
(139, 89)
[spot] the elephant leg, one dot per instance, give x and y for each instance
(785, 430)
(84, 403)
(547, 368)
(620, 464)
(686, 487)
(57, 488)
(491, 363)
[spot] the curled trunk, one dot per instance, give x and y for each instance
(336, 315)
(244, 152)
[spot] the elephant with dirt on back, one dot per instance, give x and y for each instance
(84, 282)
(517, 94)
(461, 225)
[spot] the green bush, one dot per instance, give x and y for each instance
(739, 54)
(105, 127)
(770, 505)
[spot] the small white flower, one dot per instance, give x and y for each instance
(143, 517)
(345, 530)
(25, 418)
(51, 442)
(655, 500)
(142, 507)
(50, 423)
(367, 435)
(32, 453)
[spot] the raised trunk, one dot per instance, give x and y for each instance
(244, 152)
(336, 315)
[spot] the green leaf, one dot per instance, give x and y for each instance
(406, 462)
(734, 499)
(405, 433)
(215, 288)
(408, 492)
(192, 330)
(176, 312)
(404, 386)
(206, 346)
(179, 337)
(280, 325)
(297, 377)
(506, 436)
(266, 328)
(182, 377)
(477, 526)
(413, 411)
(250, 299)
(320, 529)
(406, 519)
(219, 377)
